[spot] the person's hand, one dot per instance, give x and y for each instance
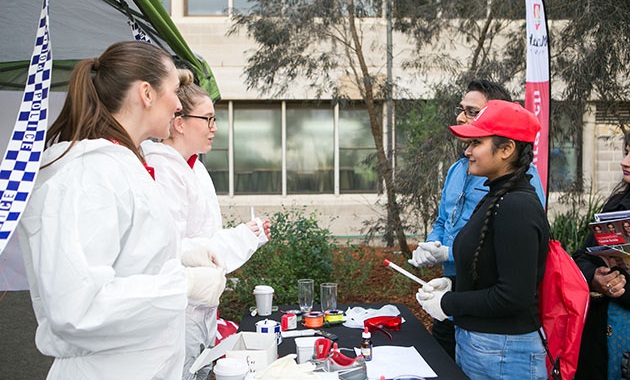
(255, 227)
(610, 284)
(206, 284)
(266, 223)
(438, 284)
(430, 297)
(197, 253)
(429, 253)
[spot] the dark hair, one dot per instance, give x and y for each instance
(524, 157)
(491, 90)
(98, 88)
(189, 93)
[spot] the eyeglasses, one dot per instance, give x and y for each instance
(470, 113)
(210, 119)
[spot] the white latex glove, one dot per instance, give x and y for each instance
(196, 252)
(429, 253)
(430, 297)
(438, 284)
(206, 284)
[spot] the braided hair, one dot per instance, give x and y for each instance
(524, 157)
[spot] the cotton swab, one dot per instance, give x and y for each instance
(404, 272)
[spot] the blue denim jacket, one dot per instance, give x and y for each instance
(460, 195)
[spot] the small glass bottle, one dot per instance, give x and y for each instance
(366, 344)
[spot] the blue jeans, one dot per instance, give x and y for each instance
(496, 356)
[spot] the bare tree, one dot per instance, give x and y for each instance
(323, 42)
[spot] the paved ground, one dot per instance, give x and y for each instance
(19, 359)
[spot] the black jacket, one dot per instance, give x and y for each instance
(511, 264)
(593, 361)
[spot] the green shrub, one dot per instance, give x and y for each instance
(298, 248)
(571, 227)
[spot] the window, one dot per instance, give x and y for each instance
(206, 7)
(217, 160)
(310, 150)
(309, 168)
(242, 6)
(167, 5)
(357, 159)
(564, 149)
(257, 149)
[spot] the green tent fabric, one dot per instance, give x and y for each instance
(83, 29)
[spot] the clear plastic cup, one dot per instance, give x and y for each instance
(306, 294)
(328, 295)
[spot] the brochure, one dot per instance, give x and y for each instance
(612, 233)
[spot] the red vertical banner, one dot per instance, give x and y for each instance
(537, 93)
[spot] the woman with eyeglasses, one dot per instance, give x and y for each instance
(499, 254)
(194, 205)
(101, 255)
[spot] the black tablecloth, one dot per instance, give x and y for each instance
(412, 333)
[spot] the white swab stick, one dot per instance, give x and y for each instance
(409, 275)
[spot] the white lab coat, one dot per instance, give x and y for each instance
(102, 262)
(193, 203)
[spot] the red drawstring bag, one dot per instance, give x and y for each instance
(563, 303)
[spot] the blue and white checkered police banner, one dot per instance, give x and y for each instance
(22, 158)
(138, 33)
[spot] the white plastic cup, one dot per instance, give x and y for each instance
(264, 299)
(231, 369)
(305, 348)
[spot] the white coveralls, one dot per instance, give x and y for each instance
(193, 202)
(102, 262)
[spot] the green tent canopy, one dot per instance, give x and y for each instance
(84, 29)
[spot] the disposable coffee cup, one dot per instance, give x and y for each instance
(231, 369)
(264, 299)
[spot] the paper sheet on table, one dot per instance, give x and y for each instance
(392, 361)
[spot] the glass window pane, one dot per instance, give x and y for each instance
(206, 7)
(216, 160)
(562, 166)
(357, 168)
(242, 6)
(564, 149)
(310, 145)
(167, 5)
(257, 149)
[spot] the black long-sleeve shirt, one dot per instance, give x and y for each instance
(510, 266)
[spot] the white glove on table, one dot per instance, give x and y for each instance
(430, 297)
(205, 284)
(429, 253)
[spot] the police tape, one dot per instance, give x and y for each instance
(20, 164)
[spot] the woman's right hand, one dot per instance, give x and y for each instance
(610, 284)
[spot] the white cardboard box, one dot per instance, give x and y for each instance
(258, 349)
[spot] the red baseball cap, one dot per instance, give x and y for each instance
(501, 118)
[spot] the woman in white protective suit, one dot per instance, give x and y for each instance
(101, 253)
(193, 202)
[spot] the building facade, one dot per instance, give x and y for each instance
(302, 151)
